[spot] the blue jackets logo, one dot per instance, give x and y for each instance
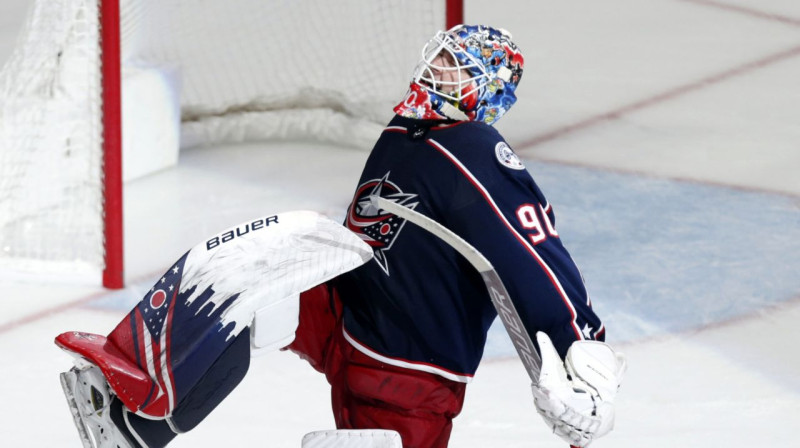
(376, 227)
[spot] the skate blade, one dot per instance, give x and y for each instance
(68, 380)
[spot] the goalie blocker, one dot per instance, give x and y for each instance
(186, 345)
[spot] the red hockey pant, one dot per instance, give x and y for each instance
(366, 393)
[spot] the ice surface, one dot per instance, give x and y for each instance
(696, 280)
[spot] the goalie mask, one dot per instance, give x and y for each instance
(466, 73)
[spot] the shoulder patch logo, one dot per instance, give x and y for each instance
(506, 157)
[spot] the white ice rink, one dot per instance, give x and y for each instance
(666, 133)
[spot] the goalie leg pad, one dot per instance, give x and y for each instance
(350, 438)
(161, 350)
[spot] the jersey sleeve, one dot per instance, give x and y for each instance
(498, 208)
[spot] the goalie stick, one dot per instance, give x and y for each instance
(497, 291)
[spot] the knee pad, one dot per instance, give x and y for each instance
(274, 326)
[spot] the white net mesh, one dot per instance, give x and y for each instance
(50, 158)
(305, 69)
(249, 70)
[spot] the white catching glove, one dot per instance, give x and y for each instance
(578, 402)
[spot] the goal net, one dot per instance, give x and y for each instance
(236, 70)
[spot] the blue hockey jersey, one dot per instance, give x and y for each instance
(418, 303)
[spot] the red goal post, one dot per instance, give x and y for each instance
(113, 238)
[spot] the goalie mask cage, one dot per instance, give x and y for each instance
(246, 70)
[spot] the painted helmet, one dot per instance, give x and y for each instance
(469, 72)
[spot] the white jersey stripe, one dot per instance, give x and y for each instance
(428, 368)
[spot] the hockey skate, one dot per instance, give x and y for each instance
(90, 402)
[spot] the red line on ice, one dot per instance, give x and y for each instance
(658, 98)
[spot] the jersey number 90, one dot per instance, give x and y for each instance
(530, 217)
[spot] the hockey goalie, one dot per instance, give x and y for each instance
(186, 345)
(394, 314)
